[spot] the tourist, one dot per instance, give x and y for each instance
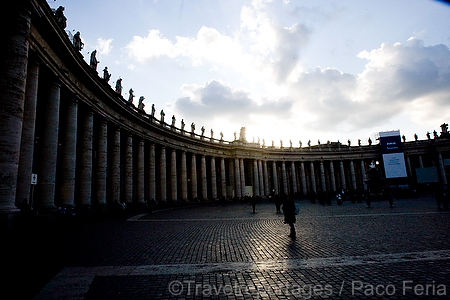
(289, 214)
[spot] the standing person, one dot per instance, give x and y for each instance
(277, 201)
(289, 214)
(253, 201)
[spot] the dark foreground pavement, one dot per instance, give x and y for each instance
(227, 252)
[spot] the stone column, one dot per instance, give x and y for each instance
(115, 167)
(363, 174)
(13, 72)
(48, 149)
(194, 177)
(213, 179)
(128, 179)
(409, 173)
(242, 169)
(203, 183)
(173, 176)
(101, 163)
(294, 178)
(333, 178)
(140, 171)
(313, 178)
(68, 155)
(152, 173)
(223, 181)
(284, 178)
(266, 179)
(322, 177)
(28, 136)
(85, 174)
(303, 175)
(237, 178)
(420, 161)
(341, 168)
(352, 174)
(183, 167)
(275, 177)
(163, 175)
(442, 169)
(261, 178)
(255, 179)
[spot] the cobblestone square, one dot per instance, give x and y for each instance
(224, 251)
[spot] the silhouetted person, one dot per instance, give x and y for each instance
(389, 196)
(442, 195)
(289, 214)
(277, 200)
(253, 201)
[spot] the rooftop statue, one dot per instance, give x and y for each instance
(212, 133)
(94, 62)
(435, 135)
(242, 133)
(203, 130)
(349, 142)
(130, 95)
(221, 136)
(264, 143)
(404, 138)
(273, 144)
(119, 86)
(300, 143)
(182, 124)
(141, 103)
(153, 110)
(416, 138)
(309, 143)
(290, 142)
(162, 116)
(444, 128)
(77, 43)
(173, 121)
(428, 135)
(60, 18)
(359, 142)
(369, 141)
(281, 143)
(235, 135)
(106, 75)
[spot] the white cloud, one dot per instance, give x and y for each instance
(399, 81)
(104, 46)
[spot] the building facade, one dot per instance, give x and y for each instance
(89, 146)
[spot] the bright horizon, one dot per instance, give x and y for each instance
(285, 70)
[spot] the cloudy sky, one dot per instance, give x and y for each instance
(294, 70)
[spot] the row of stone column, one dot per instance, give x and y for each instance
(284, 178)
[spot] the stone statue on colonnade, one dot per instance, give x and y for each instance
(242, 134)
(106, 75)
(77, 43)
(119, 86)
(141, 103)
(60, 18)
(131, 95)
(94, 62)
(162, 116)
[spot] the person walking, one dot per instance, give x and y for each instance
(289, 214)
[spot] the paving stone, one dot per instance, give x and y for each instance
(227, 252)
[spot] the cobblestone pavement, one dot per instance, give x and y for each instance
(227, 252)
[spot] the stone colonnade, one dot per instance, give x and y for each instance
(90, 154)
